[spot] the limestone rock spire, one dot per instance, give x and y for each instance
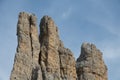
(49, 56)
(44, 57)
(90, 65)
(54, 58)
(26, 65)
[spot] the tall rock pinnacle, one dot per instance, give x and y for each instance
(90, 65)
(54, 58)
(44, 57)
(27, 55)
(49, 56)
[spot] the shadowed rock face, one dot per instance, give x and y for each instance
(44, 57)
(90, 65)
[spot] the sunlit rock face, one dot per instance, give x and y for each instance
(44, 57)
(26, 65)
(90, 65)
(57, 62)
(41, 57)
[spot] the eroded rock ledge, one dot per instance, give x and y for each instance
(44, 57)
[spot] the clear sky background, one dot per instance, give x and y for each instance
(94, 21)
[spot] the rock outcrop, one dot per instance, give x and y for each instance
(26, 65)
(41, 57)
(54, 58)
(90, 65)
(44, 57)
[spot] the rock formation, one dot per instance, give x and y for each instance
(26, 65)
(44, 57)
(41, 57)
(90, 65)
(54, 58)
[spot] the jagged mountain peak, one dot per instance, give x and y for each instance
(44, 57)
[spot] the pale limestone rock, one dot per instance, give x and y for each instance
(49, 56)
(26, 65)
(46, 58)
(52, 54)
(90, 65)
(67, 64)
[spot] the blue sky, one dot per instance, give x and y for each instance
(94, 21)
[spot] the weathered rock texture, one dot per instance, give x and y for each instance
(26, 65)
(90, 65)
(57, 62)
(44, 57)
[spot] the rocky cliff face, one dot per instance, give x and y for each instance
(90, 65)
(26, 65)
(54, 60)
(44, 57)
